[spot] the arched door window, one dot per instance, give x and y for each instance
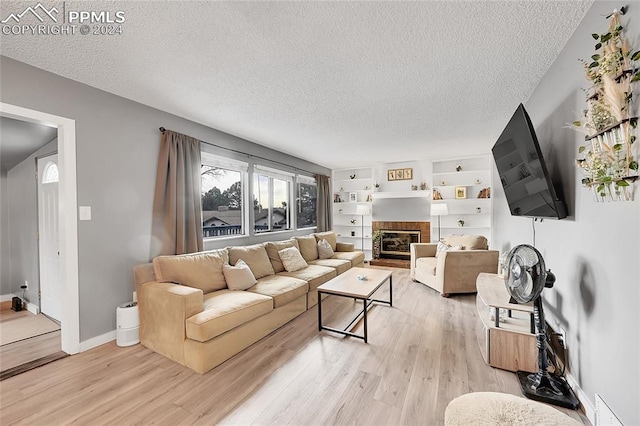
(50, 174)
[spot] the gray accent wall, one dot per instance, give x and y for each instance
(117, 144)
(594, 253)
(22, 189)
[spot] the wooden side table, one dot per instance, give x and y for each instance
(508, 341)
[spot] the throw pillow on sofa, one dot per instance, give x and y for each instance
(292, 259)
(255, 256)
(324, 250)
(273, 247)
(329, 236)
(238, 277)
(442, 247)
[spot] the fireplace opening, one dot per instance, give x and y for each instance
(395, 244)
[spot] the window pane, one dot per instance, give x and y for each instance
(221, 202)
(50, 174)
(261, 202)
(280, 217)
(306, 199)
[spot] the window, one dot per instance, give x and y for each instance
(223, 194)
(50, 174)
(271, 198)
(306, 202)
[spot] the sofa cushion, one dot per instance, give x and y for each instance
(330, 236)
(308, 247)
(255, 256)
(355, 257)
(340, 265)
(281, 288)
(201, 270)
(314, 275)
(292, 259)
(427, 264)
(238, 277)
(225, 310)
(273, 247)
(324, 250)
(468, 242)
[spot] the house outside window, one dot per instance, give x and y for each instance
(306, 202)
(271, 199)
(224, 183)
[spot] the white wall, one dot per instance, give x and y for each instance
(594, 252)
(5, 280)
(22, 190)
(117, 152)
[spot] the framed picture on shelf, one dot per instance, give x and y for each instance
(353, 197)
(399, 174)
(408, 174)
(391, 175)
(461, 192)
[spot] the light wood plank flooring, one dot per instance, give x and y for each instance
(422, 353)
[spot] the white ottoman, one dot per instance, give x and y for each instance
(491, 408)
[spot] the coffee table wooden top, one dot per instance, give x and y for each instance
(348, 284)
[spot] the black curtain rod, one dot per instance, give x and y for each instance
(162, 129)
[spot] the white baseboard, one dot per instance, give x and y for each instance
(6, 297)
(34, 309)
(97, 341)
(589, 409)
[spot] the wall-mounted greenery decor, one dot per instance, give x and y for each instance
(610, 159)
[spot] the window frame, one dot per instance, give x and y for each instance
(308, 180)
(271, 174)
(233, 165)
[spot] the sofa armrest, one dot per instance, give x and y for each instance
(163, 310)
(345, 246)
(458, 270)
(418, 250)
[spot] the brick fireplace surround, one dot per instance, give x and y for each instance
(425, 237)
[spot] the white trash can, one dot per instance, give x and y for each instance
(128, 324)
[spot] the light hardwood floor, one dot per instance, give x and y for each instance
(422, 353)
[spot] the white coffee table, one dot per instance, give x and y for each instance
(348, 285)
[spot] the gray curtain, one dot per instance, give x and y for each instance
(177, 212)
(323, 207)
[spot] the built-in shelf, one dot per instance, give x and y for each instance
(474, 177)
(402, 194)
(362, 188)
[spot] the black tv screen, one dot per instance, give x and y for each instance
(523, 172)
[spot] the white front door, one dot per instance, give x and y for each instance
(48, 237)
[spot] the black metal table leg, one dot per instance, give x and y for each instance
(319, 311)
(390, 290)
(364, 302)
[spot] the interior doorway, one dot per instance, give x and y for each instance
(67, 219)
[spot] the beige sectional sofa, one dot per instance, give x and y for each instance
(455, 268)
(188, 313)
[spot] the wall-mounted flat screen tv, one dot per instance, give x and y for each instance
(523, 172)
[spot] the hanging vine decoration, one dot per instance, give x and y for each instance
(609, 162)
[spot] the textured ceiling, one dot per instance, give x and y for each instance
(336, 83)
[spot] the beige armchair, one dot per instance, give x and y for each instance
(454, 270)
